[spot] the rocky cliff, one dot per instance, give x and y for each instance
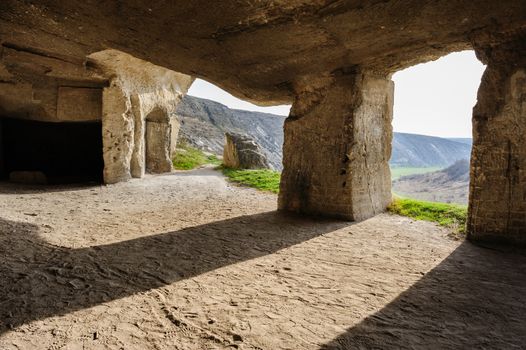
(204, 123)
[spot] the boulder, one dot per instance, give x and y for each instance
(242, 152)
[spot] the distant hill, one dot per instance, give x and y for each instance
(449, 185)
(466, 140)
(411, 150)
(204, 123)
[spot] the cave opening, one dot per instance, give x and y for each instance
(432, 138)
(50, 152)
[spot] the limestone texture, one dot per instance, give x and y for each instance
(149, 97)
(108, 86)
(337, 148)
(242, 152)
(258, 50)
(158, 150)
(497, 209)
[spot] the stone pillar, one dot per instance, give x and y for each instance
(497, 206)
(117, 134)
(158, 137)
(337, 148)
(137, 166)
(175, 126)
(2, 169)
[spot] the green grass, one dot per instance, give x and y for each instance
(262, 179)
(448, 215)
(397, 172)
(187, 158)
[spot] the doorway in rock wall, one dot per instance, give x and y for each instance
(432, 122)
(158, 140)
(46, 152)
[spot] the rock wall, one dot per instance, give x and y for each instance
(158, 148)
(109, 85)
(117, 135)
(337, 147)
(258, 49)
(497, 209)
(142, 92)
(39, 86)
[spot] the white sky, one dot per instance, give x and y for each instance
(204, 89)
(435, 98)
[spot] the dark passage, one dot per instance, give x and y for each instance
(64, 152)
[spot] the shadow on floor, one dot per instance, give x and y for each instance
(474, 299)
(38, 280)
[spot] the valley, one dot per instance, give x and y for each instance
(418, 162)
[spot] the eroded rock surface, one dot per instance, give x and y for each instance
(337, 148)
(242, 152)
(259, 50)
(497, 210)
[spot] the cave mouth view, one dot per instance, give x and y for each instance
(433, 104)
(431, 144)
(307, 175)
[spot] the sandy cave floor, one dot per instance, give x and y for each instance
(186, 261)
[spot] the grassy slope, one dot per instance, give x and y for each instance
(397, 172)
(269, 180)
(449, 215)
(188, 158)
(262, 179)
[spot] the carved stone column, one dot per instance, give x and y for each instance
(337, 147)
(497, 208)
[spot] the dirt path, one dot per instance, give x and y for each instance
(185, 261)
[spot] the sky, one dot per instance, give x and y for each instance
(204, 89)
(435, 98)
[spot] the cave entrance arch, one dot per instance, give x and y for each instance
(432, 113)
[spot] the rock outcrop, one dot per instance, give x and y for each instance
(241, 152)
(204, 124)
